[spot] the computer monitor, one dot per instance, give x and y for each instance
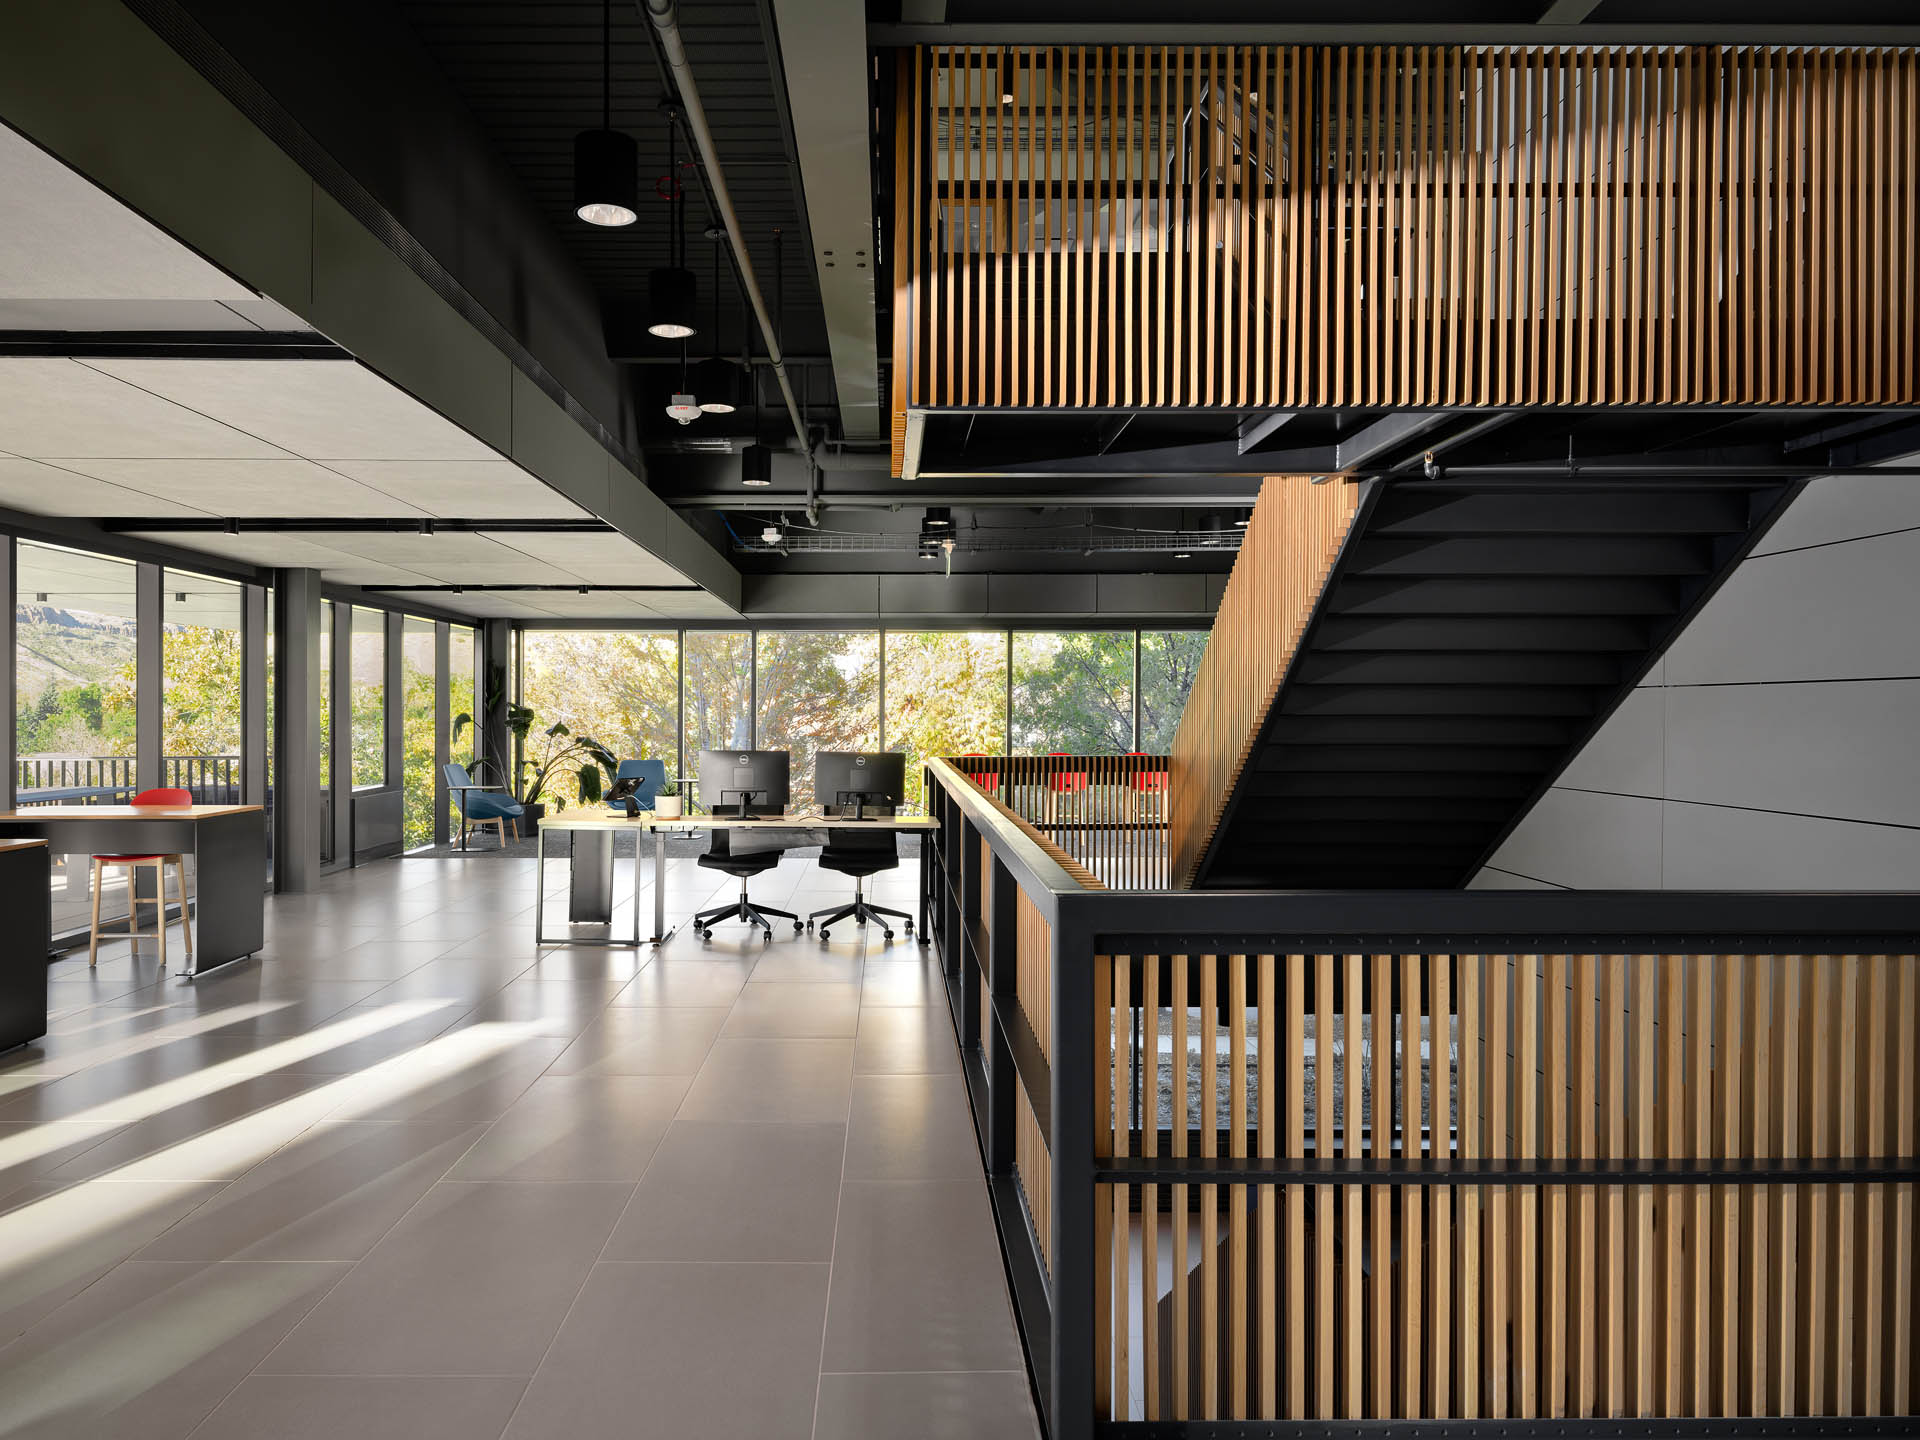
(850, 781)
(744, 782)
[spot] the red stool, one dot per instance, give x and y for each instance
(135, 864)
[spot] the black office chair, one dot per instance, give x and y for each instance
(859, 853)
(720, 856)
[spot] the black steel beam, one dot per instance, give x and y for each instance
(1383, 437)
(312, 524)
(1365, 1170)
(172, 344)
(1223, 32)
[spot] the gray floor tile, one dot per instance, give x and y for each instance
(474, 1281)
(827, 1010)
(330, 1195)
(721, 1351)
(984, 1405)
(913, 980)
(736, 1192)
(577, 1127)
(150, 1349)
(364, 1407)
(480, 1090)
(906, 1040)
(917, 1280)
(161, 1139)
(782, 1081)
(643, 1040)
(679, 981)
(808, 961)
(911, 1127)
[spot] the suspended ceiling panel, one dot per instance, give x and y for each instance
(52, 408)
(42, 489)
(244, 487)
(470, 489)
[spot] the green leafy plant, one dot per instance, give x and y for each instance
(591, 763)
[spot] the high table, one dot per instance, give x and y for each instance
(229, 848)
(24, 867)
(603, 824)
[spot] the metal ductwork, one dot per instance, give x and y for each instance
(666, 24)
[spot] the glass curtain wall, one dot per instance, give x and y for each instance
(75, 637)
(369, 698)
(202, 708)
(719, 694)
(1072, 692)
(1169, 660)
(946, 695)
(816, 690)
(417, 732)
(326, 695)
(619, 687)
(463, 660)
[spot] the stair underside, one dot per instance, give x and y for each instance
(1469, 641)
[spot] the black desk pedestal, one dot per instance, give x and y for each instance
(23, 944)
(590, 891)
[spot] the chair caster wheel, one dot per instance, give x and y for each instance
(706, 934)
(809, 925)
(909, 927)
(798, 927)
(823, 934)
(887, 933)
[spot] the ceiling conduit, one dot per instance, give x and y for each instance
(667, 25)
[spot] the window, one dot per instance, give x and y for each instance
(201, 664)
(369, 698)
(817, 690)
(74, 652)
(1073, 692)
(326, 696)
(1169, 659)
(463, 659)
(946, 695)
(418, 692)
(719, 693)
(619, 687)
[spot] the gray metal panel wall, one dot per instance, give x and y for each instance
(297, 698)
(1773, 748)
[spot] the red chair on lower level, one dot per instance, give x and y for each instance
(987, 780)
(1144, 787)
(1062, 782)
(134, 865)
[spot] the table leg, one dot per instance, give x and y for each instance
(659, 886)
(539, 885)
(926, 847)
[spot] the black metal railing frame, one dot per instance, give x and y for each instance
(1055, 1305)
(213, 779)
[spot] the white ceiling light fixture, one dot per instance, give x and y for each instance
(684, 408)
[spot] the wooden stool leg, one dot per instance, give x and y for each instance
(93, 937)
(186, 917)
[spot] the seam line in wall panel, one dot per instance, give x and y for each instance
(1829, 544)
(1748, 809)
(1756, 684)
(1522, 875)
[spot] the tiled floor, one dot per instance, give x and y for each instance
(404, 1177)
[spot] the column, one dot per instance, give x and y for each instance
(296, 730)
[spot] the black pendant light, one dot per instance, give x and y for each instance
(672, 293)
(716, 381)
(606, 162)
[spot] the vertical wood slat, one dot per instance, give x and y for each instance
(1352, 1299)
(1653, 226)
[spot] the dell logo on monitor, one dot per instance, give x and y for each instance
(746, 759)
(860, 762)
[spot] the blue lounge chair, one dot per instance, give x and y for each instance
(479, 807)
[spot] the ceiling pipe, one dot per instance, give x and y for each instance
(666, 25)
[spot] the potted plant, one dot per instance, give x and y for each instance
(666, 804)
(592, 763)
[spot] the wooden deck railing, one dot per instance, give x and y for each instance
(1286, 1164)
(1291, 543)
(1102, 815)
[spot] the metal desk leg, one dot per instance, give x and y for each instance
(926, 847)
(659, 886)
(539, 886)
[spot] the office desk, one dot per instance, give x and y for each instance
(609, 825)
(592, 872)
(24, 866)
(229, 848)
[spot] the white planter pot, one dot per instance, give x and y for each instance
(666, 807)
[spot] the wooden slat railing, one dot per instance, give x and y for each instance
(1405, 225)
(1269, 1164)
(1290, 546)
(1104, 817)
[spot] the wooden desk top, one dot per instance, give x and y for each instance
(6, 845)
(126, 812)
(715, 822)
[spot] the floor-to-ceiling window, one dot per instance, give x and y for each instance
(618, 687)
(817, 690)
(76, 668)
(1169, 659)
(326, 694)
(417, 733)
(368, 677)
(719, 693)
(946, 695)
(1072, 692)
(203, 686)
(463, 660)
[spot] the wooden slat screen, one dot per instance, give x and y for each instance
(1289, 548)
(1103, 817)
(1405, 225)
(1513, 1300)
